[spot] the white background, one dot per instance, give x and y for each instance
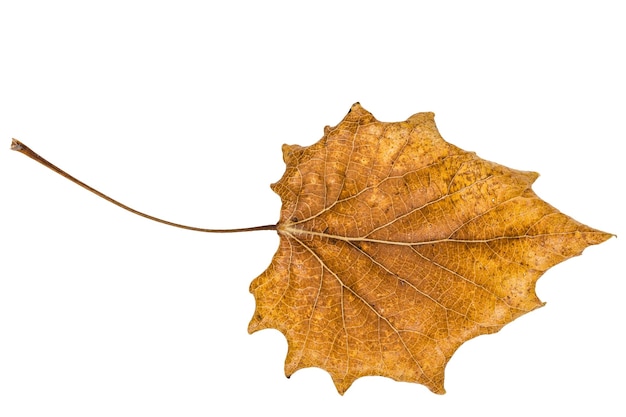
(180, 108)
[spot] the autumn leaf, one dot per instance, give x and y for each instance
(396, 247)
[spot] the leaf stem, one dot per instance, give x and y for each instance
(18, 146)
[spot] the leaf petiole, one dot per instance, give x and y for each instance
(18, 146)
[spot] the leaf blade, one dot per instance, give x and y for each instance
(397, 247)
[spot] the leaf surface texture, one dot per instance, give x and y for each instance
(396, 247)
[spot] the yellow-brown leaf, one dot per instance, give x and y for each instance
(396, 247)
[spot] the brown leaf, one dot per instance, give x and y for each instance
(396, 247)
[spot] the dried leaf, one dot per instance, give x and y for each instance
(396, 247)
